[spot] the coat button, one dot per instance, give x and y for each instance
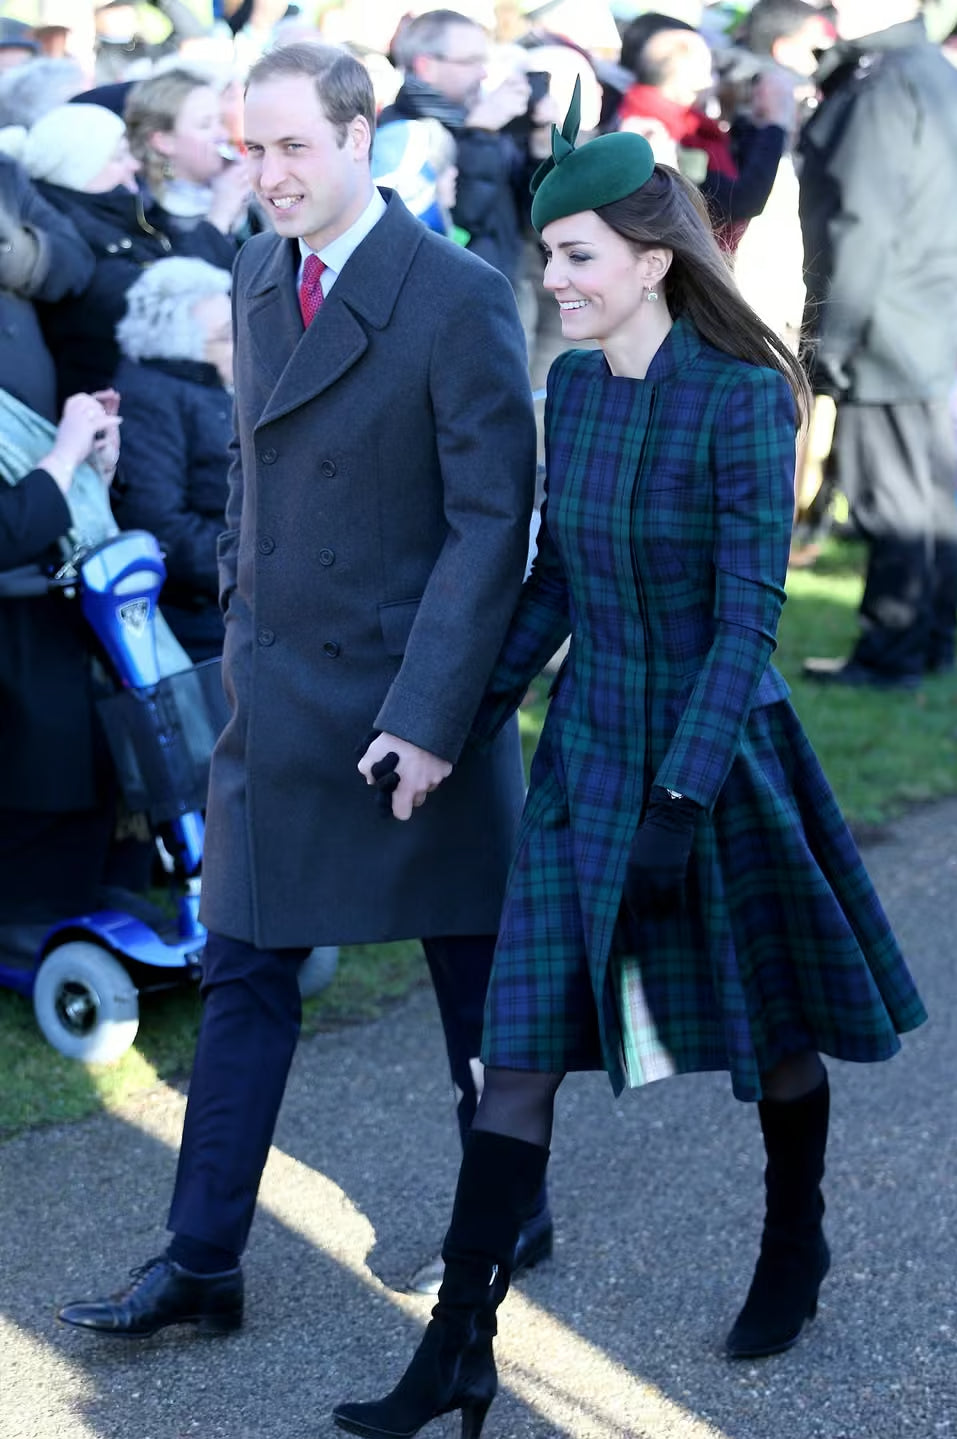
(126, 244)
(112, 248)
(266, 637)
(269, 457)
(326, 557)
(266, 545)
(328, 468)
(331, 648)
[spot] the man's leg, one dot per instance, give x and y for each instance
(247, 1037)
(250, 1025)
(898, 520)
(893, 452)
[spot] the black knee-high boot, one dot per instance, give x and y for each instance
(453, 1367)
(794, 1255)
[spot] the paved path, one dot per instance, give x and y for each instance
(658, 1202)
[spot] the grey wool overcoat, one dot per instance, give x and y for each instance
(376, 538)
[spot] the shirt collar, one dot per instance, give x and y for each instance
(336, 253)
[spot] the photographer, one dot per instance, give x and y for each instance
(444, 58)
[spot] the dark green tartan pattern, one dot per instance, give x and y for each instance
(663, 551)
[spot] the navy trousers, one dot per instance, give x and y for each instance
(250, 1024)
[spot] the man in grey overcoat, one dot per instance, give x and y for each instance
(377, 529)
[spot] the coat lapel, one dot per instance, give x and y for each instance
(303, 363)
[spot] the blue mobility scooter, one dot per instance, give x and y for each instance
(84, 973)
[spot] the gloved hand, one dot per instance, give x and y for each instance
(385, 773)
(658, 859)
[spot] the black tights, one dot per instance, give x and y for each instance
(521, 1103)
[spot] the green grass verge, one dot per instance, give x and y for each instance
(38, 1086)
(881, 752)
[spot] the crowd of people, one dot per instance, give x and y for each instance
(292, 257)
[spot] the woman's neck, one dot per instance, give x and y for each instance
(629, 355)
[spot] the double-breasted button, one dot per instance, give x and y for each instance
(331, 648)
(326, 557)
(113, 248)
(266, 545)
(328, 468)
(270, 456)
(266, 637)
(126, 244)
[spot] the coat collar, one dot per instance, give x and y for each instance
(302, 364)
(679, 349)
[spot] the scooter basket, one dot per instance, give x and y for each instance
(161, 738)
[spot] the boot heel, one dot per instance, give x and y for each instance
(225, 1323)
(473, 1417)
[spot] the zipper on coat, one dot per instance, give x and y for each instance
(640, 594)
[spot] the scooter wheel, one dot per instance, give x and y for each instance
(85, 1002)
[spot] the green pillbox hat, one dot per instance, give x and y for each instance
(603, 170)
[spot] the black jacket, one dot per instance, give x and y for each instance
(125, 233)
(54, 758)
(177, 422)
(494, 169)
(41, 258)
(878, 174)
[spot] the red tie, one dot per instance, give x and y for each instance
(310, 290)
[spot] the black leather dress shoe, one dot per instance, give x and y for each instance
(163, 1293)
(535, 1242)
(857, 676)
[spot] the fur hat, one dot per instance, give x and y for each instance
(604, 170)
(70, 144)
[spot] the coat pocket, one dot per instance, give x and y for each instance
(396, 620)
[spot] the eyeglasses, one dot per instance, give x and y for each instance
(463, 60)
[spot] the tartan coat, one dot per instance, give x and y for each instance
(375, 545)
(663, 552)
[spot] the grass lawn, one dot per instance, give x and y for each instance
(881, 752)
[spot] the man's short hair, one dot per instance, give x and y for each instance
(343, 84)
(772, 20)
(426, 35)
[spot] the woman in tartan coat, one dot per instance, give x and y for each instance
(685, 894)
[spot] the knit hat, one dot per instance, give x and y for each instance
(70, 144)
(604, 170)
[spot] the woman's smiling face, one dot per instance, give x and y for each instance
(598, 278)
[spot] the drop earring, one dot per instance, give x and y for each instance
(651, 295)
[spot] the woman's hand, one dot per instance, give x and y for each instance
(84, 418)
(105, 455)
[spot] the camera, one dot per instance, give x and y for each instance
(538, 83)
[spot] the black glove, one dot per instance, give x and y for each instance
(660, 850)
(384, 772)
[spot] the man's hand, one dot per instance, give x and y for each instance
(506, 102)
(419, 772)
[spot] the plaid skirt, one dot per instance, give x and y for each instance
(782, 944)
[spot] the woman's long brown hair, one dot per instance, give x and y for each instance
(668, 211)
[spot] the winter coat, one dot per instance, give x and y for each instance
(177, 424)
(375, 545)
(54, 759)
(878, 205)
(58, 265)
(663, 551)
(125, 234)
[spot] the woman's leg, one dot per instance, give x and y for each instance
(503, 1167)
(794, 1256)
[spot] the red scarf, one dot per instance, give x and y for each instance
(686, 125)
